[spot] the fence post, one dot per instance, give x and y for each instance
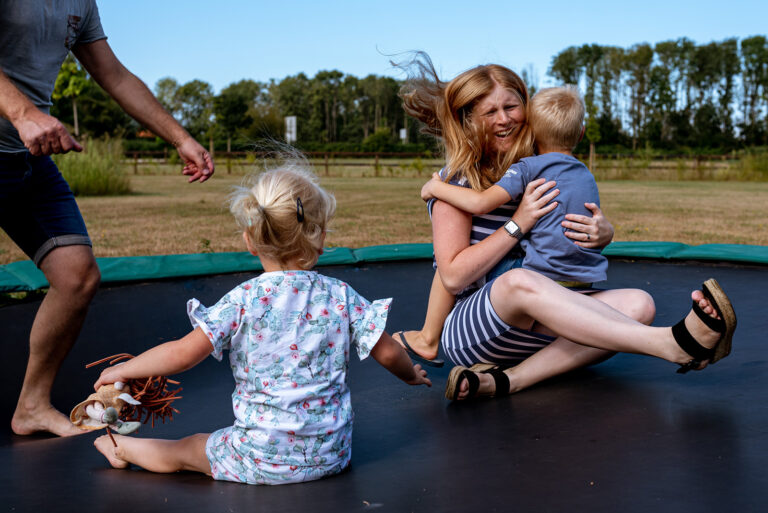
(376, 165)
(325, 155)
(135, 163)
(229, 163)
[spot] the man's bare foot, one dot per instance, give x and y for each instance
(419, 343)
(45, 418)
(105, 446)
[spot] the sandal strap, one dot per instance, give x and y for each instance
(472, 380)
(501, 379)
(689, 344)
(716, 325)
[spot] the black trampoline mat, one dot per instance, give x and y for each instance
(627, 435)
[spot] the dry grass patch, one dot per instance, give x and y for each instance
(165, 215)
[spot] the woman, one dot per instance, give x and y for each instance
(522, 316)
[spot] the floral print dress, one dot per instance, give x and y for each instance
(288, 334)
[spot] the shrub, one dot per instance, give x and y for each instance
(96, 171)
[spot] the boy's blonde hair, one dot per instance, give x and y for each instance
(284, 213)
(557, 117)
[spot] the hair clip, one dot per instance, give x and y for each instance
(299, 210)
(250, 223)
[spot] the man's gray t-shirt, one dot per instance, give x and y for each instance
(35, 38)
(547, 249)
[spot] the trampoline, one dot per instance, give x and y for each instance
(627, 435)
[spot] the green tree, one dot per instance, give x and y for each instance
(70, 82)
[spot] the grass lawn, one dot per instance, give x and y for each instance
(165, 215)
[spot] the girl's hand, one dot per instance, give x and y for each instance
(419, 377)
(536, 203)
(589, 232)
(110, 375)
(426, 191)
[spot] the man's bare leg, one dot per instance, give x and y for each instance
(74, 278)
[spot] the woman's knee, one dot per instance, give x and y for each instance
(642, 307)
(517, 282)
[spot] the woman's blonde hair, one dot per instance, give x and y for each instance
(284, 213)
(445, 109)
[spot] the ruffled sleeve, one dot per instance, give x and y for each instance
(219, 322)
(367, 321)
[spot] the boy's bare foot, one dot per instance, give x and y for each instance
(45, 418)
(419, 343)
(105, 446)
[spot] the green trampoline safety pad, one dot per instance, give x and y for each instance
(24, 276)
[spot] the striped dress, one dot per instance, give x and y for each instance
(473, 333)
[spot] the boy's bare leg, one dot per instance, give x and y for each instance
(427, 341)
(74, 278)
(157, 455)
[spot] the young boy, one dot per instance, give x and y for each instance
(557, 119)
(556, 116)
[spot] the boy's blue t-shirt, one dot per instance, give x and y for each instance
(547, 250)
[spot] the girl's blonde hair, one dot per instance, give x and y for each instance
(445, 109)
(284, 213)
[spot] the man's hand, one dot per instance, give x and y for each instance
(198, 164)
(44, 135)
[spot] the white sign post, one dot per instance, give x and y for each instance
(290, 129)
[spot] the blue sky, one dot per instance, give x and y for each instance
(223, 42)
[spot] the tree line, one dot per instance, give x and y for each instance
(675, 96)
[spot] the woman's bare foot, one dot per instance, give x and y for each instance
(418, 341)
(108, 449)
(487, 386)
(698, 330)
(42, 418)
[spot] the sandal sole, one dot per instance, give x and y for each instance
(725, 309)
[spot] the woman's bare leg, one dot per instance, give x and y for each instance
(157, 455)
(427, 341)
(525, 297)
(521, 297)
(562, 355)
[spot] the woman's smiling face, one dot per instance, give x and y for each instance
(500, 113)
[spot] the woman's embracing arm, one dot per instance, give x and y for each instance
(589, 232)
(460, 263)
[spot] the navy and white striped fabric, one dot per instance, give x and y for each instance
(473, 332)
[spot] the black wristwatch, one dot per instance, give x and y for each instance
(513, 229)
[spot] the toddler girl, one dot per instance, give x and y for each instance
(289, 332)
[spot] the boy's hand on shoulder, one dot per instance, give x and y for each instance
(419, 377)
(427, 192)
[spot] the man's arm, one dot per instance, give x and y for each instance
(139, 102)
(468, 200)
(41, 134)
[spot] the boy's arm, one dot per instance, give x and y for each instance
(393, 357)
(468, 200)
(163, 360)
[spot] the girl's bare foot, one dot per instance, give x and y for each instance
(42, 417)
(108, 449)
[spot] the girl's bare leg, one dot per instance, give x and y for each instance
(427, 341)
(157, 455)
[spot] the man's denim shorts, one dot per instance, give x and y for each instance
(37, 208)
